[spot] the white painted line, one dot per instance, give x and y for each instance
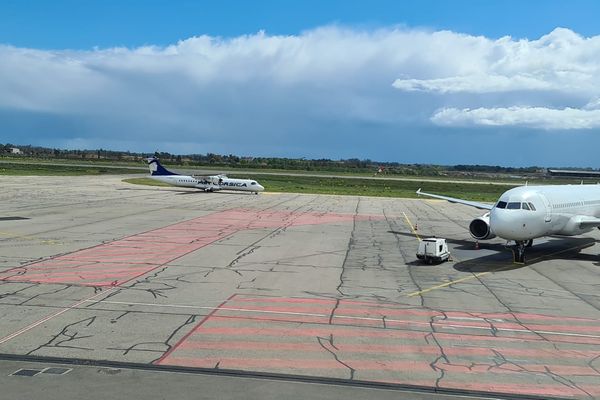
(49, 317)
(462, 318)
(387, 320)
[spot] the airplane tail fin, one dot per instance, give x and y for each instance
(156, 169)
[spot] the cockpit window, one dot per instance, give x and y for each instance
(525, 206)
(501, 204)
(531, 206)
(513, 206)
(253, 183)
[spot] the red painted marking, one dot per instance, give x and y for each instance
(187, 335)
(563, 370)
(346, 348)
(274, 314)
(98, 265)
(279, 363)
(411, 311)
(248, 335)
(343, 331)
(542, 390)
(376, 311)
(367, 365)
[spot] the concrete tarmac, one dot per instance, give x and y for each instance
(305, 285)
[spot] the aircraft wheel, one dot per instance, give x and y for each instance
(519, 252)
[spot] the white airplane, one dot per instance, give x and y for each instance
(206, 183)
(529, 212)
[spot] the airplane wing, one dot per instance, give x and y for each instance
(210, 176)
(482, 206)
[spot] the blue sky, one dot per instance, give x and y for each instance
(77, 24)
(334, 79)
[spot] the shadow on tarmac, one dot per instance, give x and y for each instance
(498, 257)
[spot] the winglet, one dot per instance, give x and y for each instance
(419, 191)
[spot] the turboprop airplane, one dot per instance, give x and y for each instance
(530, 212)
(206, 183)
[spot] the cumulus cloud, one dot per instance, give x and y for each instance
(476, 83)
(278, 93)
(559, 61)
(328, 92)
(530, 117)
(550, 83)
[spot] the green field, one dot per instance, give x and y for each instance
(365, 187)
(237, 169)
(380, 187)
(21, 169)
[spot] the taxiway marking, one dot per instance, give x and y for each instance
(477, 275)
(51, 316)
(412, 228)
(466, 278)
(27, 237)
(351, 317)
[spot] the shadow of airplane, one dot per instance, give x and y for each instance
(162, 189)
(498, 257)
(218, 192)
(184, 191)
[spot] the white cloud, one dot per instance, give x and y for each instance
(559, 61)
(530, 117)
(326, 92)
(474, 84)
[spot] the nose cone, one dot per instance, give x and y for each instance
(261, 188)
(513, 224)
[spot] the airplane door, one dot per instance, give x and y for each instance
(548, 217)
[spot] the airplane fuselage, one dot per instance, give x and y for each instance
(530, 212)
(210, 183)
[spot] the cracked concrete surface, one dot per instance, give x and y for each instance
(310, 285)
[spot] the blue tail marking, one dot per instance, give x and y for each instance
(156, 169)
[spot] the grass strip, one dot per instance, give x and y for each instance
(364, 187)
(19, 169)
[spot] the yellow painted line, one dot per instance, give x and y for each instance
(412, 228)
(466, 278)
(477, 275)
(14, 235)
(474, 276)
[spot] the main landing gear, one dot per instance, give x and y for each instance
(519, 250)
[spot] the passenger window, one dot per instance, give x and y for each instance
(525, 206)
(531, 206)
(513, 206)
(501, 204)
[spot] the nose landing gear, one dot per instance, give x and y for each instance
(519, 250)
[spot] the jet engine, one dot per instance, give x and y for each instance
(480, 228)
